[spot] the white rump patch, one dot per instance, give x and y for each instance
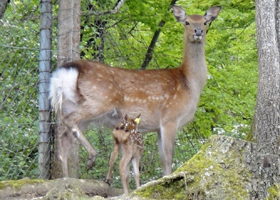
(63, 85)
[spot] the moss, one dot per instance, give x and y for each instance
(250, 137)
(17, 184)
(215, 172)
(274, 192)
(65, 191)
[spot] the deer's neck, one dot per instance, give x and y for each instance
(194, 65)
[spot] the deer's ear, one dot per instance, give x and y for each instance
(212, 13)
(179, 14)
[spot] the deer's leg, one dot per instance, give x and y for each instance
(113, 158)
(73, 114)
(135, 163)
(64, 144)
(166, 140)
(89, 148)
(71, 121)
(63, 156)
(124, 170)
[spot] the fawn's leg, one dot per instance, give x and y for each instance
(113, 158)
(135, 163)
(124, 168)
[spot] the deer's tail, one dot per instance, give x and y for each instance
(63, 85)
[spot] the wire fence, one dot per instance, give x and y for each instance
(19, 71)
(118, 39)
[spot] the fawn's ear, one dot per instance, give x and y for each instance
(125, 117)
(137, 119)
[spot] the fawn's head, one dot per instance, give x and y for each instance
(195, 25)
(125, 127)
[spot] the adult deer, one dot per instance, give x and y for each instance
(130, 142)
(86, 91)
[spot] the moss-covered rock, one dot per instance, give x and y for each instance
(215, 172)
(18, 184)
(65, 188)
(274, 192)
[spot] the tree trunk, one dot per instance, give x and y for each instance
(67, 50)
(265, 161)
(3, 6)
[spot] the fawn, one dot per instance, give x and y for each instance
(130, 142)
(85, 91)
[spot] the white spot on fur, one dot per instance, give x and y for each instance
(77, 134)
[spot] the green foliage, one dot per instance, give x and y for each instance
(19, 78)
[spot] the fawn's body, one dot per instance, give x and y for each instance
(130, 142)
(85, 91)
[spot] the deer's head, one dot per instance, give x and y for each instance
(195, 25)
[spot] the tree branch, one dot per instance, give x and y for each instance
(113, 11)
(149, 53)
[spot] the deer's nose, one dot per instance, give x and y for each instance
(198, 32)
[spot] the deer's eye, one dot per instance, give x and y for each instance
(205, 23)
(126, 130)
(187, 23)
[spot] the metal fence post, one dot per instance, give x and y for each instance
(44, 77)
